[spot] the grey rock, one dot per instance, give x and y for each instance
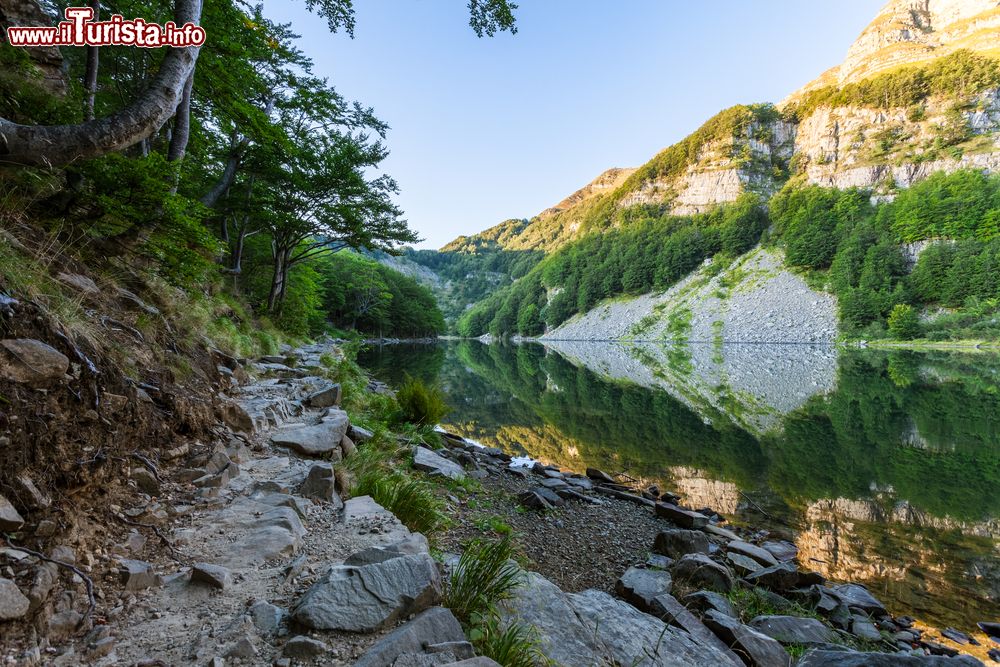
(783, 577)
(478, 661)
(136, 575)
(359, 434)
(320, 485)
(146, 481)
(433, 626)
(325, 398)
(659, 561)
(825, 658)
(672, 612)
(235, 416)
(743, 565)
(367, 598)
(794, 630)
(858, 597)
(321, 439)
(600, 476)
(347, 446)
(435, 464)
(581, 483)
(13, 604)
(678, 542)
(762, 556)
(63, 624)
(266, 617)
(29, 494)
(460, 650)
(593, 628)
(554, 484)
(702, 572)
(243, 648)
(639, 587)
(29, 361)
(782, 550)
(534, 501)
(705, 601)
(10, 520)
(862, 627)
(412, 545)
(304, 647)
(755, 648)
(682, 517)
(213, 575)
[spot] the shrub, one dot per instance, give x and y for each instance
(484, 576)
(420, 403)
(904, 323)
(511, 645)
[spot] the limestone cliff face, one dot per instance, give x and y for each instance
(49, 60)
(606, 182)
(723, 171)
(883, 150)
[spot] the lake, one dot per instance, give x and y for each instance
(884, 467)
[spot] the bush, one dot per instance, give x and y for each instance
(904, 323)
(420, 403)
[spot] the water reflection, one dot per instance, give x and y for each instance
(887, 463)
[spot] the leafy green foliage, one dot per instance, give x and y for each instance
(509, 643)
(414, 502)
(904, 322)
(420, 403)
(650, 253)
(960, 75)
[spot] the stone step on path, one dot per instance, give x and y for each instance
(260, 535)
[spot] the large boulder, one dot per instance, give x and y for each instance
(783, 577)
(702, 572)
(320, 485)
(326, 397)
(754, 648)
(679, 542)
(794, 630)
(435, 464)
(319, 440)
(592, 628)
(368, 598)
(31, 361)
(434, 626)
(639, 587)
(822, 658)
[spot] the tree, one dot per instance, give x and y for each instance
(904, 322)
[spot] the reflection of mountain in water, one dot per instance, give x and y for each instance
(889, 463)
(753, 385)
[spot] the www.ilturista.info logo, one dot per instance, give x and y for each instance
(79, 29)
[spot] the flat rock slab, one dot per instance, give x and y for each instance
(820, 658)
(701, 571)
(434, 626)
(593, 628)
(680, 516)
(367, 598)
(794, 630)
(679, 542)
(321, 439)
(669, 610)
(857, 596)
(759, 554)
(435, 464)
(213, 575)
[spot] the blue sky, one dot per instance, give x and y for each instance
(488, 129)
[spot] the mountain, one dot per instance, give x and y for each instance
(846, 183)
(885, 118)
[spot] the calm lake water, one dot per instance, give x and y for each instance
(885, 464)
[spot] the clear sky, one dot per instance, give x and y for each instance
(488, 129)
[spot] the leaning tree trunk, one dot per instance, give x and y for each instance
(49, 145)
(182, 124)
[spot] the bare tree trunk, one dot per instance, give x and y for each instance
(277, 277)
(181, 132)
(225, 181)
(49, 145)
(93, 64)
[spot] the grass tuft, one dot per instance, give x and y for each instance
(510, 644)
(420, 403)
(485, 575)
(412, 501)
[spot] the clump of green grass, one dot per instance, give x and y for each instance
(485, 576)
(420, 403)
(414, 502)
(493, 524)
(753, 602)
(511, 644)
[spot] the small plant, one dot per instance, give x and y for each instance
(420, 403)
(511, 644)
(412, 501)
(484, 576)
(493, 524)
